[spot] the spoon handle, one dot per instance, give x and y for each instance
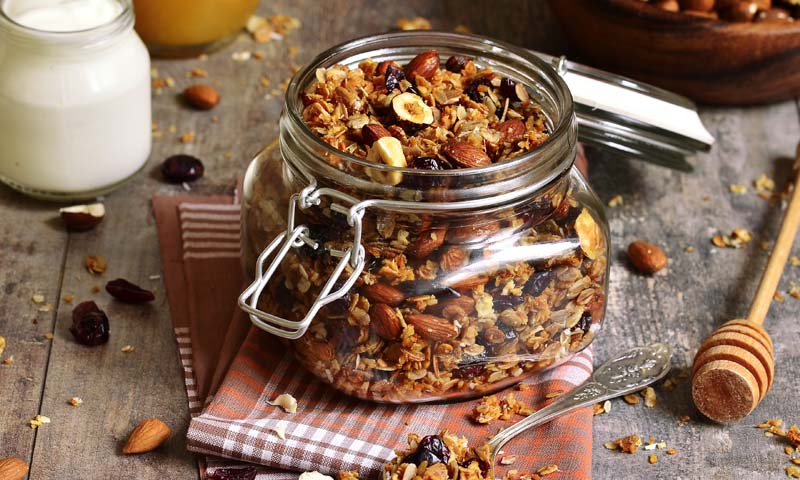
(626, 373)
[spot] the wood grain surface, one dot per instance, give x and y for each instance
(682, 305)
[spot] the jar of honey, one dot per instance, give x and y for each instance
(183, 28)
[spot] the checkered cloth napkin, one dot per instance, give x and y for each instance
(233, 370)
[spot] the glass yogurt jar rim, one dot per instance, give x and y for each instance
(94, 36)
(535, 168)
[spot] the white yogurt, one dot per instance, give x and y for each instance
(75, 116)
(62, 15)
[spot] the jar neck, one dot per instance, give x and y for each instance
(307, 154)
(94, 38)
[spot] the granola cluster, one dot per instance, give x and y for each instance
(453, 305)
(439, 457)
(421, 116)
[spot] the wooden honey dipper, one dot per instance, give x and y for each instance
(734, 367)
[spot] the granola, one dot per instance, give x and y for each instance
(449, 305)
(439, 457)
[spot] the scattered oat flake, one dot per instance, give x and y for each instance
(547, 470)
(794, 261)
(9, 360)
(197, 72)
(793, 436)
(416, 23)
(68, 298)
(631, 399)
(796, 461)
(280, 431)
(462, 29)
(788, 450)
(778, 297)
(48, 335)
(611, 445)
(287, 402)
(738, 189)
(128, 349)
(649, 395)
(75, 401)
(46, 308)
(95, 289)
(671, 451)
(792, 471)
(764, 183)
(38, 421)
(242, 56)
(95, 264)
(689, 249)
(2, 344)
(508, 460)
(188, 137)
(652, 458)
(615, 201)
(794, 290)
(37, 298)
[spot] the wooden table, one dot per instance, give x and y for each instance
(681, 306)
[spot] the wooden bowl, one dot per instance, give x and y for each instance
(710, 61)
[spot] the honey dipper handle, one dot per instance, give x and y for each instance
(779, 255)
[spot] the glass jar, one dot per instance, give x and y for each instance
(185, 28)
(450, 284)
(74, 98)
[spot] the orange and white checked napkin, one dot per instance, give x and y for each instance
(233, 370)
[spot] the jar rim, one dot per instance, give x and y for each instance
(484, 50)
(93, 35)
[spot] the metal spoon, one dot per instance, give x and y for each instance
(625, 373)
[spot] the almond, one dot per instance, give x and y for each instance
(385, 321)
(465, 155)
(453, 307)
(147, 436)
(646, 257)
(426, 64)
(472, 233)
(431, 327)
(80, 218)
(201, 97)
(13, 469)
(426, 243)
(512, 130)
(383, 293)
(468, 283)
(453, 258)
(371, 132)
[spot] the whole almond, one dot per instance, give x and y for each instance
(698, 5)
(465, 155)
(512, 130)
(383, 293)
(469, 283)
(453, 258)
(427, 241)
(371, 132)
(453, 307)
(147, 436)
(472, 233)
(431, 327)
(201, 97)
(426, 64)
(646, 257)
(385, 321)
(13, 469)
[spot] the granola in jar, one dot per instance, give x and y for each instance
(450, 303)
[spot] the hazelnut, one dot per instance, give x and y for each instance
(80, 218)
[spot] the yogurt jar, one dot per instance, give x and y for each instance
(75, 115)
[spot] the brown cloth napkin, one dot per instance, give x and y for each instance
(233, 370)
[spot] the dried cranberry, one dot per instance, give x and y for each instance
(456, 63)
(393, 76)
(425, 163)
(182, 168)
(374, 264)
(585, 322)
(504, 302)
(431, 449)
(509, 331)
(89, 324)
(507, 88)
(415, 288)
(339, 306)
(125, 291)
(471, 366)
(472, 91)
(247, 473)
(319, 234)
(481, 464)
(538, 282)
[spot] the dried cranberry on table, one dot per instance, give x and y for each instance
(247, 473)
(127, 292)
(89, 324)
(182, 168)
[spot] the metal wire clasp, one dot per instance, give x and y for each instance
(295, 237)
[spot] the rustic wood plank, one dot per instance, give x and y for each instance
(32, 244)
(698, 292)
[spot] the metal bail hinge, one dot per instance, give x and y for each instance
(295, 237)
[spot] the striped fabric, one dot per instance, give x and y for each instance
(245, 368)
